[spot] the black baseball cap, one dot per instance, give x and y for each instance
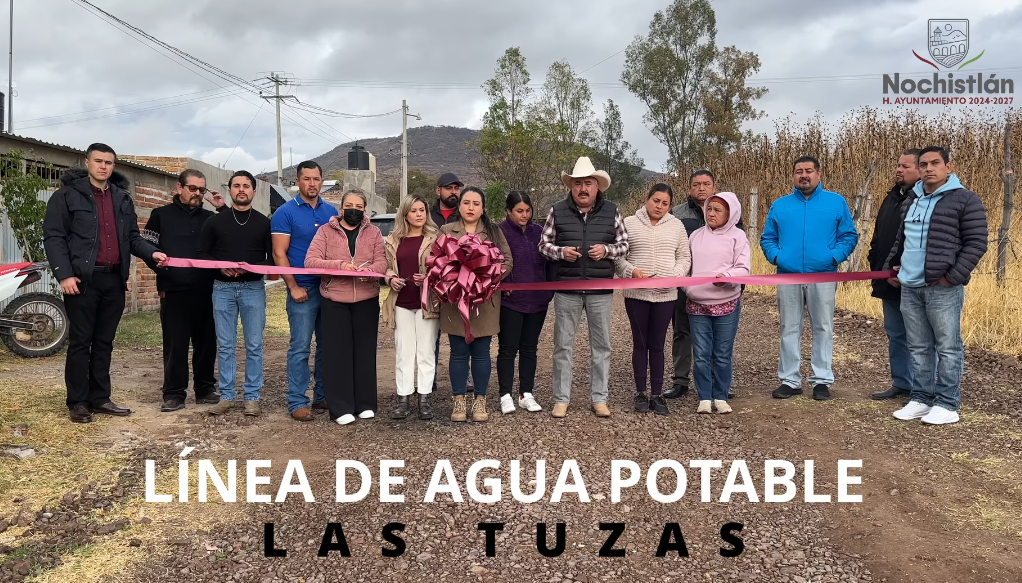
(449, 178)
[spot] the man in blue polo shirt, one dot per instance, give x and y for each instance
(292, 227)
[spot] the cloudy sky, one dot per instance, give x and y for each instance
(78, 76)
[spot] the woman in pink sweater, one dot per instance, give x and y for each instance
(350, 311)
(719, 249)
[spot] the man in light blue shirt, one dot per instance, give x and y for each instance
(292, 228)
(942, 237)
(807, 231)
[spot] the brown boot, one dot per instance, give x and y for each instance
(459, 413)
(601, 410)
(479, 409)
(221, 408)
(303, 414)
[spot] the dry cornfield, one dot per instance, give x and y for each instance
(858, 156)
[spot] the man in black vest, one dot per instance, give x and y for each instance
(582, 237)
(186, 294)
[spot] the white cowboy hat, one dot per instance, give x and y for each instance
(584, 169)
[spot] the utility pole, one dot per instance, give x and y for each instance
(278, 79)
(10, 76)
(404, 146)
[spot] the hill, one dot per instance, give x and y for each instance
(434, 149)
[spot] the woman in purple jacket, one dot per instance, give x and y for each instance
(521, 313)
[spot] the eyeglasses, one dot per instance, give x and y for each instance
(193, 188)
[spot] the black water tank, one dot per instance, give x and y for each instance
(358, 158)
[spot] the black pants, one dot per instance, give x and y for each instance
(187, 318)
(93, 316)
(519, 335)
(681, 348)
(349, 357)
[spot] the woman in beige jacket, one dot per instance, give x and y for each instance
(657, 247)
(415, 326)
(484, 324)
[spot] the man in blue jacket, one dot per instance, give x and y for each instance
(807, 231)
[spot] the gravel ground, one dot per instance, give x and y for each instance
(794, 542)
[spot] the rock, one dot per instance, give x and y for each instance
(18, 452)
(424, 557)
(4, 525)
(134, 542)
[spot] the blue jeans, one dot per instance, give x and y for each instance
(304, 320)
(247, 299)
(792, 301)
(479, 351)
(897, 346)
(713, 343)
(933, 322)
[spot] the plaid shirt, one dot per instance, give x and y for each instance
(549, 248)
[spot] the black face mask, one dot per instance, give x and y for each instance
(353, 216)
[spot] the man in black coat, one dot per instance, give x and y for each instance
(186, 294)
(885, 231)
(90, 233)
(942, 237)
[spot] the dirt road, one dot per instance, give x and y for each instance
(939, 504)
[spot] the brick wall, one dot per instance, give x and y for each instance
(170, 164)
(142, 295)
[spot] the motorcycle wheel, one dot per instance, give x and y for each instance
(48, 314)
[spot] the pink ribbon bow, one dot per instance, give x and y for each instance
(463, 272)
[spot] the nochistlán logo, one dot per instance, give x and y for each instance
(947, 42)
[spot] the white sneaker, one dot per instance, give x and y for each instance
(345, 419)
(722, 406)
(507, 404)
(914, 410)
(527, 402)
(705, 407)
(940, 416)
(366, 415)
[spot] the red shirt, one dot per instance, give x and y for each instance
(447, 213)
(109, 250)
(410, 296)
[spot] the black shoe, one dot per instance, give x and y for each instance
(425, 410)
(678, 389)
(641, 403)
(172, 404)
(208, 399)
(786, 392)
(80, 414)
(821, 393)
(890, 393)
(404, 408)
(659, 405)
(110, 408)
(730, 394)
(320, 407)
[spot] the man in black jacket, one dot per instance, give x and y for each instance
(448, 191)
(90, 233)
(885, 231)
(186, 294)
(943, 236)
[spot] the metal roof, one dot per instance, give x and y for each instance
(69, 149)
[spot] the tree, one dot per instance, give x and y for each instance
(727, 100)
(496, 197)
(19, 200)
(568, 101)
(419, 182)
(508, 135)
(667, 70)
(393, 193)
(611, 152)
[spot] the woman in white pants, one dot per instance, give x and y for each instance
(415, 327)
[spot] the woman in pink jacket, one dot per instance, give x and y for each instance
(719, 249)
(350, 310)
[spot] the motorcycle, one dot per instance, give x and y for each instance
(33, 324)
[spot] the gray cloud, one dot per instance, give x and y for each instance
(81, 63)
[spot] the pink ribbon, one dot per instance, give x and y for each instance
(265, 269)
(483, 262)
(669, 282)
(463, 272)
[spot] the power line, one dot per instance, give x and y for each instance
(258, 111)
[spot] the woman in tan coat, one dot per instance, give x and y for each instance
(350, 310)
(657, 247)
(415, 327)
(485, 324)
